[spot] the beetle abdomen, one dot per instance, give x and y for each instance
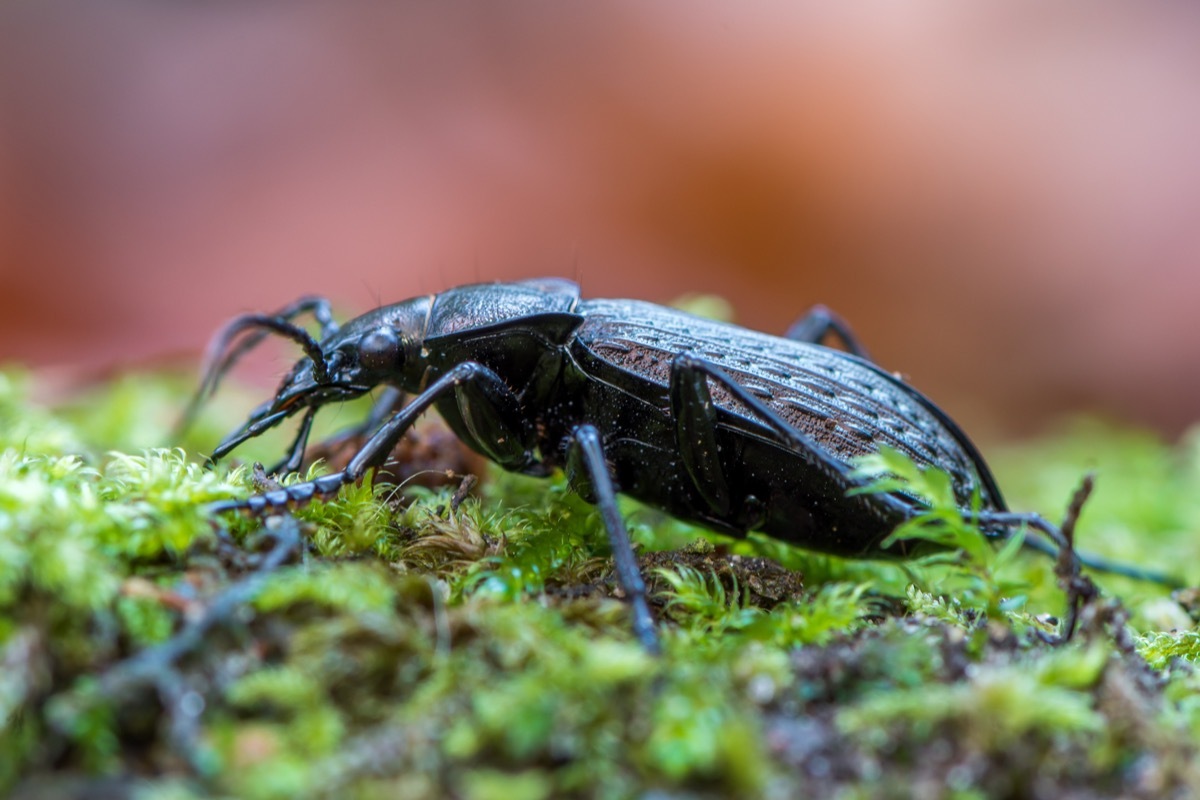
(847, 406)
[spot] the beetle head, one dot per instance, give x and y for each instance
(380, 347)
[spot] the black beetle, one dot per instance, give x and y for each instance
(735, 430)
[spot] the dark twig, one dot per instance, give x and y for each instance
(460, 494)
(261, 482)
(1079, 587)
(1071, 518)
(156, 666)
(149, 663)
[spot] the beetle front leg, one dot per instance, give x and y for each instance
(385, 406)
(818, 323)
(586, 457)
(388, 403)
(473, 380)
(295, 457)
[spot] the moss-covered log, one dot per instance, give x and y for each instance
(391, 644)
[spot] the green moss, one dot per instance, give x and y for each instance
(1159, 649)
(353, 588)
(482, 651)
(976, 572)
(492, 784)
(25, 428)
(144, 620)
(959, 719)
(1145, 508)
(991, 711)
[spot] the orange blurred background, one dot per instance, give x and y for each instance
(1002, 196)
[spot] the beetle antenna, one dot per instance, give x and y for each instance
(270, 324)
(221, 353)
(321, 312)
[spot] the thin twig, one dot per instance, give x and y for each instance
(144, 666)
(1079, 587)
(156, 666)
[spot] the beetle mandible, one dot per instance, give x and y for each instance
(732, 429)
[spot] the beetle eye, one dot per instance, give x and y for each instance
(379, 349)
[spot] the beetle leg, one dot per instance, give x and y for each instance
(494, 420)
(793, 436)
(468, 375)
(586, 455)
(818, 323)
(695, 419)
(295, 457)
(389, 402)
(259, 424)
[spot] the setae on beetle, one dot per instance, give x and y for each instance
(732, 429)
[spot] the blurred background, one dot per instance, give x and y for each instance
(1002, 197)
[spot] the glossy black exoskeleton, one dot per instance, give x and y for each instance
(735, 430)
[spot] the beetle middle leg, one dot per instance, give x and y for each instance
(588, 473)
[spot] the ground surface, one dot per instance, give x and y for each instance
(389, 644)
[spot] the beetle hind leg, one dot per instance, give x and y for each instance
(695, 419)
(818, 323)
(999, 525)
(694, 372)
